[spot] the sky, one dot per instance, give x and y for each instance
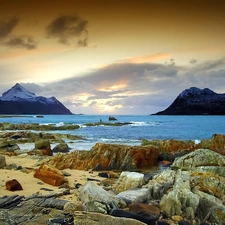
(112, 56)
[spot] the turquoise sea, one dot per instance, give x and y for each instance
(151, 127)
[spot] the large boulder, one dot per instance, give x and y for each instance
(215, 143)
(42, 147)
(194, 184)
(61, 147)
(42, 143)
(50, 175)
(135, 195)
(171, 145)
(180, 197)
(95, 198)
(8, 146)
(129, 180)
(199, 158)
(108, 157)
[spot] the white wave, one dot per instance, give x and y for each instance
(82, 125)
(197, 141)
(46, 124)
(144, 123)
(60, 124)
(138, 123)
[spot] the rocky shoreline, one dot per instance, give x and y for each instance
(117, 188)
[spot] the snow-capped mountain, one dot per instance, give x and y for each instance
(18, 93)
(18, 100)
(196, 101)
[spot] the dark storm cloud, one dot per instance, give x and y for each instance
(23, 41)
(7, 27)
(66, 28)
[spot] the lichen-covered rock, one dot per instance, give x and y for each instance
(215, 143)
(42, 143)
(108, 157)
(95, 198)
(50, 175)
(93, 218)
(181, 196)
(200, 157)
(171, 145)
(129, 180)
(135, 195)
(8, 146)
(209, 183)
(210, 207)
(61, 147)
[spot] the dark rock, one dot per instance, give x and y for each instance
(183, 222)
(127, 214)
(66, 174)
(61, 221)
(61, 147)
(162, 223)
(13, 185)
(77, 185)
(146, 210)
(103, 174)
(19, 168)
(92, 179)
(111, 118)
(7, 202)
(46, 189)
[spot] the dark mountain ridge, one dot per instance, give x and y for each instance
(18, 100)
(196, 101)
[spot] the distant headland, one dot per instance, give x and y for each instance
(18, 100)
(196, 101)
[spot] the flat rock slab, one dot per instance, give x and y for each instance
(36, 209)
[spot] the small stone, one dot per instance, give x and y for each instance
(66, 174)
(177, 218)
(13, 185)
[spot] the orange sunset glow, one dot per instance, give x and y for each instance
(109, 56)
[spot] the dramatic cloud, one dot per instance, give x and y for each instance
(23, 41)
(132, 88)
(7, 27)
(67, 28)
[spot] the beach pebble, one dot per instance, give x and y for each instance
(13, 185)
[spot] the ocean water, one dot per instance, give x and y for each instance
(151, 127)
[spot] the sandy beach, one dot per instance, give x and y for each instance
(33, 185)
